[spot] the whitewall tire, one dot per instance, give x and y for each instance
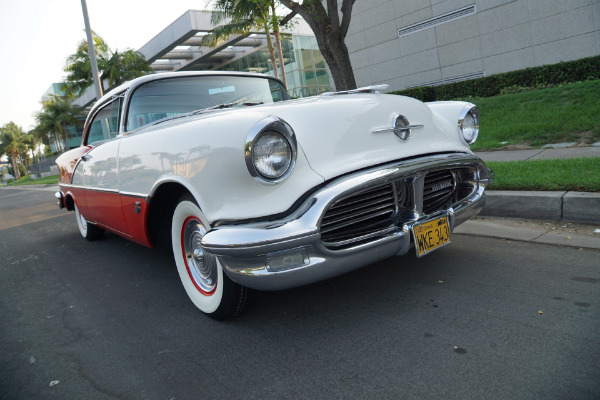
(201, 273)
(87, 230)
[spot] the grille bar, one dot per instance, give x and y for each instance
(371, 213)
(439, 188)
(359, 215)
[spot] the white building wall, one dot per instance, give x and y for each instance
(502, 35)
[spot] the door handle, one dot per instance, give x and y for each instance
(86, 157)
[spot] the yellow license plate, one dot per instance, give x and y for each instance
(431, 235)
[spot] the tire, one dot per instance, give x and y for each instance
(87, 230)
(201, 274)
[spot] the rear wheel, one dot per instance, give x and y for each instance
(87, 230)
(201, 273)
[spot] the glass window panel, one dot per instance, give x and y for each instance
(168, 97)
(105, 125)
(322, 77)
(319, 59)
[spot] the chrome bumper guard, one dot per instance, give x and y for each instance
(289, 252)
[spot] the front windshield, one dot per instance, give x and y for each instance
(170, 97)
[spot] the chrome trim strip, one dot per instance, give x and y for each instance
(95, 189)
(400, 127)
(244, 249)
(364, 89)
(394, 130)
(132, 194)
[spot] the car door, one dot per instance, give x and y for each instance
(98, 170)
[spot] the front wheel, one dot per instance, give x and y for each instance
(201, 273)
(87, 230)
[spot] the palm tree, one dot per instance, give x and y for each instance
(245, 15)
(78, 66)
(114, 67)
(57, 113)
(12, 143)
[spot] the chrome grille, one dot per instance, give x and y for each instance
(438, 190)
(359, 216)
(374, 212)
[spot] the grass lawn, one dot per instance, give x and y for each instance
(26, 180)
(565, 113)
(577, 174)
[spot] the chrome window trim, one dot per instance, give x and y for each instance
(275, 124)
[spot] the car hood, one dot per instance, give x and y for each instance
(337, 135)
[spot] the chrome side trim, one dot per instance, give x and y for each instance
(114, 191)
(132, 194)
(92, 189)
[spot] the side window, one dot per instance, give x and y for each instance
(278, 93)
(106, 122)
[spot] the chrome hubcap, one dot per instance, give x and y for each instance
(201, 266)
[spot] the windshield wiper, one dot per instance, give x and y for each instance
(225, 105)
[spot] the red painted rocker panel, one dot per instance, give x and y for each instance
(114, 212)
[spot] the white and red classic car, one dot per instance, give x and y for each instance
(254, 190)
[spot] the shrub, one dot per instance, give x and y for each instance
(510, 82)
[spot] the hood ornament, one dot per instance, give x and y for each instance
(401, 128)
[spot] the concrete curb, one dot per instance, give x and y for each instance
(580, 207)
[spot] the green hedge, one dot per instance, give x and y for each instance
(535, 77)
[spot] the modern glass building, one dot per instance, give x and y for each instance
(178, 47)
(74, 133)
(305, 68)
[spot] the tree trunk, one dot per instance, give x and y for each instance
(330, 35)
(15, 167)
(280, 54)
(275, 23)
(271, 50)
(336, 55)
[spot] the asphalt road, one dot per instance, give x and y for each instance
(480, 319)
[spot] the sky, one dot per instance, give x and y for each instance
(37, 36)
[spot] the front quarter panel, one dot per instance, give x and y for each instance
(206, 155)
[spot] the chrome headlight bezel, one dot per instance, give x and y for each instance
(468, 123)
(267, 126)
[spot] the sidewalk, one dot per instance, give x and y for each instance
(556, 206)
(582, 236)
(551, 151)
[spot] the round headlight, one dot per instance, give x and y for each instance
(468, 123)
(271, 150)
(271, 155)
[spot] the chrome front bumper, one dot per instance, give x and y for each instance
(289, 252)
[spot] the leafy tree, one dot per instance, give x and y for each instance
(78, 66)
(244, 16)
(330, 33)
(114, 67)
(57, 113)
(12, 143)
